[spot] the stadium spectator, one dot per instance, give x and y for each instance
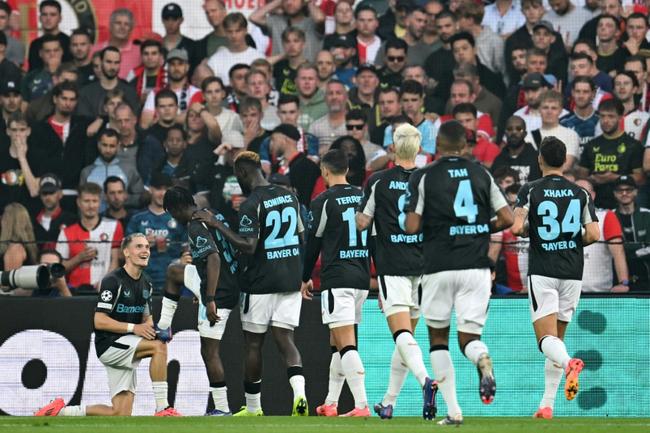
(489, 45)
(463, 48)
(116, 197)
(214, 93)
(172, 19)
(238, 88)
(41, 108)
(174, 163)
(602, 79)
(418, 50)
(92, 95)
(38, 81)
(236, 49)
(11, 101)
(215, 12)
(178, 82)
(637, 65)
(505, 177)
(635, 222)
(302, 171)
(312, 97)
(557, 60)
(50, 18)
(57, 285)
(251, 116)
(17, 242)
(610, 155)
(487, 102)
(225, 192)
(150, 75)
(503, 17)
(332, 125)
(291, 13)
(368, 43)
(634, 120)
(481, 148)
(567, 19)
(325, 66)
(260, 89)
(550, 109)
(463, 91)
(107, 118)
(440, 64)
(89, 247)
(582, 65)
(533, 86)
(152, 149)
(108, 164)
(344, 24)
(15, 51)
(166, 237)
(432, 104)
(344, 49)
(8, 69)
(51, 218)
(284, 71)
(611, 56)
(389, 106)
(516, 64)
(518, 154)
(608, 253)
(130, 138)
(392, 24)
(636, 27)
(603, 7)
(356, 124)
(395, 52)
(121, 25)
(80, 50)
(584, 118)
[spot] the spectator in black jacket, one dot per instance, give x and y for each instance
(51, 219)
(50, 18)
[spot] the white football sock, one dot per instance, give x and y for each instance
(552, 379)
(398, 373)
(220, 398)
(160, 395)
(336, 380)
(167, 312)
(253, 402)
(412, 356)
(297, 383)
(555, 350)
(446, 378)
(474, 349)
(355, 374)
(73, 411)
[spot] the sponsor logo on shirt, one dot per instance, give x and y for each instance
(245, 221)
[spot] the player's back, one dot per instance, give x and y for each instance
(344, 253)
(272, 214)
(456, 198)
(396, 252)
(557, 210)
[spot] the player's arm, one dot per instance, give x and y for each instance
(108, 296)
(246, 245)
(520, 225)
(315, 227)
(589, 220)
(414, 206)
(366, 209)
(214, 268)
(494, 250)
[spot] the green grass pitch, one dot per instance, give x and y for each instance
(316, 425)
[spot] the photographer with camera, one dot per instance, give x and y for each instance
(56, 285)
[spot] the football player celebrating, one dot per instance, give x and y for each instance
(345, 277)
(398, 259)
(212, 277)
(561, 220)
(451, 202)
(124, 335)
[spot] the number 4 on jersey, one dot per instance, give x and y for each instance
(464, 205)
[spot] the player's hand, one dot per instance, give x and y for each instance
(211, 310)
(205, 216)
(186, 258)
(145, 330)
(306, 290)
(379, 304)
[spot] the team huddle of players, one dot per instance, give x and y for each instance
(430, 230)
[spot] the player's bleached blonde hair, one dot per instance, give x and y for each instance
(407, 140)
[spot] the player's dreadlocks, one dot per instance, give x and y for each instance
(178, 197)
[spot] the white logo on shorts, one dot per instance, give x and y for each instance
(106, 296)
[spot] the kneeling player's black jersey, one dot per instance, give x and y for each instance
(123, 299)
(557, 210)
(332, 226)
(204, 242)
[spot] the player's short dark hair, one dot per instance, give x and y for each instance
(356, 114)
(587, 80)
(335, 161)
(236, 67)
(126, 241)
(452, 136)
(151, 43)
(249, 102)
(109, 49)
(412, 87)
(51, 3)
(582, 56)
(178, 198)
(465, 107)
(613, 104)
(89, 188)
(166, 93)
(553, 151)
(65, 86)
(209, 80)
(248, 159)
(462, 36)
(113, 179)
(398, 44)
(288, 99)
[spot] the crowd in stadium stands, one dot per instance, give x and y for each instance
(92, 136)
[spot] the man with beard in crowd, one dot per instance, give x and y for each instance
(518, 153)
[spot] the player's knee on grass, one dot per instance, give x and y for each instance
(122, 404)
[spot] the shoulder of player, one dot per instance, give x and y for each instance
(112, 280)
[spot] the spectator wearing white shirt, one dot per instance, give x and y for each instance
(214, 93)
(503, 17)
(259, 88)
(236, 51)
(567, 19)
